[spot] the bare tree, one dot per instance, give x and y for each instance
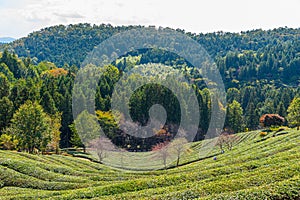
(162, 150)
(179, 147)
(101, 146)
(226, 140)
(221, 141)
(230, 141)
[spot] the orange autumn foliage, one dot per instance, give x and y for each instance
(58, 72)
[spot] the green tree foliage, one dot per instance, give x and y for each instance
(281, 110)
(75, 138)
(5, 70)
(86, 35)
(6, 112)
(55, 125)
(23, 90)
(251, 117)
(252, 53)
(4, 86)
(67, 119)
(108, 123)
(15, 65)
(8, 142)
(56, 96)
(87, 127)
(233, 94)
(31, 127)
(48, 103)
(260, 70)
(234, 117)
(294, 113)
(105, 87)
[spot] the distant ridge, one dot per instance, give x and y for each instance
(6, 39)
(70, 44)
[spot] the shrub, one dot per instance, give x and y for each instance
(263, 134)
(8, 142)
(269, 120)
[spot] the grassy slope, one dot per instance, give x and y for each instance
(254, 169)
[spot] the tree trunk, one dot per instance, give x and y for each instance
(177, 163)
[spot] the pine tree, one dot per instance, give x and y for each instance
(6, 112)
(48, 103)
(4, 86)
(234, 117)
(251, 117)
(281, 110)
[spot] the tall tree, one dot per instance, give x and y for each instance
(6, 112)
(233, 94)
(5, 70)
(234, 116)
(75, 138)
(251, 117)
(15, 65)
(55, 125)
(67, 119)
(48, 103)
(294, 113)
(4, 86)
(281, 110)
(30, 125)
(87, 127)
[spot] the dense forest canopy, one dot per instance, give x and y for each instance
(260, 70)
(244, 56)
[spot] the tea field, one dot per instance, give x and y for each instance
(256, 168)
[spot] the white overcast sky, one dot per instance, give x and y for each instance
(20, 17)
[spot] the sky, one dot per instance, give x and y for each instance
(18, 18)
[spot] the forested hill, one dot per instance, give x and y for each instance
(65, 44)
(245, 56)
(260, 69)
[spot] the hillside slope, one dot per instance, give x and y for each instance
(255, 169)
(246, 56)
(76, 40)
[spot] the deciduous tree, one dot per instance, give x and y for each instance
(294, 113)
(31, 127)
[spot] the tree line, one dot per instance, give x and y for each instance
(260, 70)
(36, 102)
